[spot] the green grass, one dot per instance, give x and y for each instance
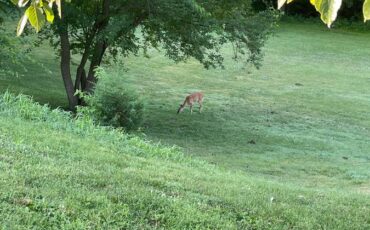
(311, 150)
(303, 133)
(58, 173)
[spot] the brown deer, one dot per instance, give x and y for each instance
(190, 100)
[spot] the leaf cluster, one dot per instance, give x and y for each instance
(183, 29)
(328, 9)
(37, 12)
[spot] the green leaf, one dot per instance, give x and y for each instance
(282, 2)
(366, 10)
(49, 13)
(22, 3)
(35, 17)
(328, 9)
(21, 24)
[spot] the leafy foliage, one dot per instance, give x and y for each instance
(366, 10)
(328, 9)
(184, 28)
(113, 105)
(107, 30)
(37, 13)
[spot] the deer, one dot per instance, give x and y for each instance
(190, 100)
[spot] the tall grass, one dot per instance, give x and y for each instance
(23, 106)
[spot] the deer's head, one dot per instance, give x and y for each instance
(181, 108)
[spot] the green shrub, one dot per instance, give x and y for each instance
(113, 104)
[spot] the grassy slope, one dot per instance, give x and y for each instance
(315, 135)
(303, 133)
(60, 174)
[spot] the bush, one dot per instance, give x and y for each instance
(114, 105)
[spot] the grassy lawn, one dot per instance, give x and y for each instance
(307, 110)
(301, 120)
(58, 173)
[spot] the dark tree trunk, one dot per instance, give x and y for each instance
(65, 67)
(81, 73)
(95, 62)
(65, 64)
(80, 76)
(100, 47)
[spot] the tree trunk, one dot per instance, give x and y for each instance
(95, 62)
(65, 63)
(65, 60)
(100, 47)
(81, 73)
(65, 66)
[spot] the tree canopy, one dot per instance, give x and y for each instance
(183, 29)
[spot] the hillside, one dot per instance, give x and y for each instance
(283, 147)
(59, 172)
(306, 109)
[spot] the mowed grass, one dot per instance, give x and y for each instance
(62, 173)
(301, 120)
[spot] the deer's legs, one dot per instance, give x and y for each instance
(191, 108)
(200, 107)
